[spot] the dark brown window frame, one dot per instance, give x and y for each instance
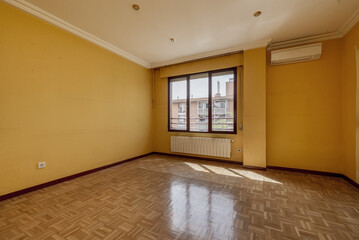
(187, 76)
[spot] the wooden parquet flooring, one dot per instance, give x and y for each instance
(160, 197)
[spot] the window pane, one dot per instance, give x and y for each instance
(222, 101)
(178, 109)
(199, 102)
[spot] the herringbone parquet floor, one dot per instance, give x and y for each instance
(159, 197)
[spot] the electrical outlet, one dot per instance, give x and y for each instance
(41, 164)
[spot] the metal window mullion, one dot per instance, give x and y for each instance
(210, 102)
(188, 104)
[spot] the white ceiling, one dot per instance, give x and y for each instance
(200, 27)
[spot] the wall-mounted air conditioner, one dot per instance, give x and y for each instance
(296, 54)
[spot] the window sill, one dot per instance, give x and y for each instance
(213, 132)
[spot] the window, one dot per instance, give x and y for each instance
(203, 102)
(178, 104)
(182, 108)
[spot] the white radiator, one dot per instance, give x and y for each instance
(217, 147)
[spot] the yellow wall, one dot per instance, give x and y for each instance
(291, 113)
(77, 106)
(65, 101)
(202, 65)
(254, 108)
(162, 138)
(304, 112)
(350, 41)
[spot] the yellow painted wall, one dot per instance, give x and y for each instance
(350, 41)
(202, 65)
(162, 138)
(254, 108)
(77, 106)
(65, 101)
(304, 112)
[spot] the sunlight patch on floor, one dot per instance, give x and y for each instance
(254, 176)
(238, 173)
(221, 170)
(196, 167)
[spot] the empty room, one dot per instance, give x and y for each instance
(163, 119)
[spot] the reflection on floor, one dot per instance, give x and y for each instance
(160, 197)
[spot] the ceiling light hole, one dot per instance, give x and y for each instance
(136, 7)
(257, 14)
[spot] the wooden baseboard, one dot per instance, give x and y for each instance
(255, 167)
(351, 181)
(198, 158)
(305, 171)
(64, 179)
(329, 174)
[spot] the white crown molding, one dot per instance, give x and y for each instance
(21, 4)
(350, 23)
(257, 44)
(304, 40)
(347, 26)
